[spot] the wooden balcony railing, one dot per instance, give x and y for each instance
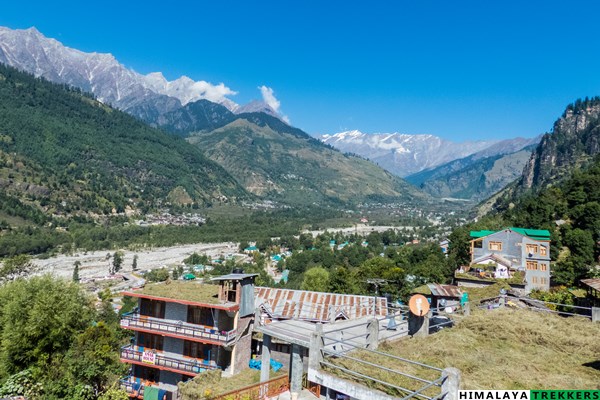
(179, 328)
(188, 366)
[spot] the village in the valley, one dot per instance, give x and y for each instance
(190, 322)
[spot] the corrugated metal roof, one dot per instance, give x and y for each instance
(444, 290)
(480, 234)
(540, 234)
(593, 283)
(316, 306)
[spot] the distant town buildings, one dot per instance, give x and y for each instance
(166, 218)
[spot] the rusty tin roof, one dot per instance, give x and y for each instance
(316, 306)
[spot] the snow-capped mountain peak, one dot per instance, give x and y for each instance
(100, 73)
(343, 136)
(400, 153)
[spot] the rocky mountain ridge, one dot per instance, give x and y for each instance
(145, 96)
(575, 140)
(573, 145)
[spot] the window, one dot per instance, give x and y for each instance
(532, 248)
(543, 281)
(147, 374)
(478, 244)
(152, 308)
(497, 246)
(150, 341)
(534, 279)
(543, 251)
(200, 316)
(544, 267)
(532, 265)
(196, 350)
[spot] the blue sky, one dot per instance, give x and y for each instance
(458, 69)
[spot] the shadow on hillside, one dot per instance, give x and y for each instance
(593, 364)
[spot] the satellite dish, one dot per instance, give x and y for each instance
(418, 305)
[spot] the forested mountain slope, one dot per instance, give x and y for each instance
(472, 177)
(276, 161)
(62, 152)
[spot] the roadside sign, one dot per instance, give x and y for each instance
(149, 357)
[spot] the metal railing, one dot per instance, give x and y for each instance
(539, 306)
(192, 331)
(188, 366)
(258, 391)
(351, 353)
(441, 318)
(354, 362)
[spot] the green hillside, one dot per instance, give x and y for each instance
(273, 160)
(472, 179)
(63, 152)
(200, 115)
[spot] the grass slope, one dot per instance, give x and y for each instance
(504, 349)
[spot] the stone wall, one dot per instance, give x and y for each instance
(176, 311)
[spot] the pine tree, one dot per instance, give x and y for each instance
(76, 271)
(134, 265)
(117, 261)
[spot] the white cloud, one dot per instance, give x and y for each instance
(268, 95)
(212, 92)
(188, 90)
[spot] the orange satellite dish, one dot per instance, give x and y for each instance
(418, 305)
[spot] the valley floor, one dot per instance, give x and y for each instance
(94, 264)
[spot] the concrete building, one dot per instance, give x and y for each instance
(182, 329)
(502, 254)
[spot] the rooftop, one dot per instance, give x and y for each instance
(317, 306)
(537, 234)
(436, 289)
(186, 291)
(593, 283)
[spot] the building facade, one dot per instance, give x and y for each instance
(514, 250)
(182, 329)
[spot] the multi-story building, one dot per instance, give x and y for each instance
(182, 329)
(512, 250)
